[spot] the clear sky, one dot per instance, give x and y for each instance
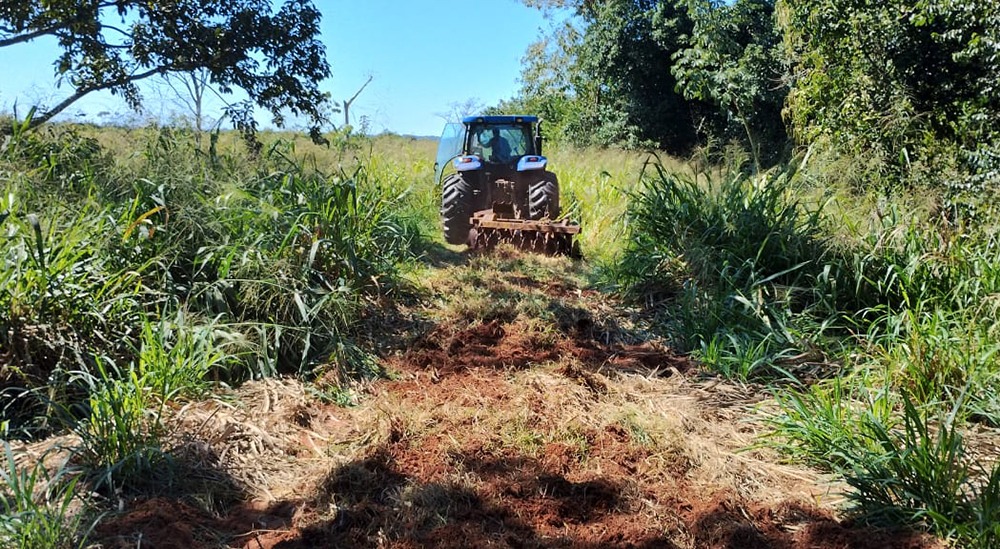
(424, 56)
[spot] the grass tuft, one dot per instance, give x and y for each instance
(38, 508)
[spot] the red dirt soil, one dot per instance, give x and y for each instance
(496, 345)
(427, 491)
(517, 502)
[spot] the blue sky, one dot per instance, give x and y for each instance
(424, 57)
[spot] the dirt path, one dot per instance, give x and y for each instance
(525, 411)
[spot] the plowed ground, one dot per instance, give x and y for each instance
(522, 410)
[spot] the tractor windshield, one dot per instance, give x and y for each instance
(499, 143)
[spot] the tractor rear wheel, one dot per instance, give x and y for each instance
(543, 197)
(456, 208)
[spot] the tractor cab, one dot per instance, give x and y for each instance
(496, 143)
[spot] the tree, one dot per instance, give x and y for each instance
(546, 69)
(189, 90)
(275, 57)
(913, 88)
(886, 75)
(618, 88)
(457, 110)
(734, 61)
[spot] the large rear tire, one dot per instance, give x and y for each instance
(456, 208)
(543, 197)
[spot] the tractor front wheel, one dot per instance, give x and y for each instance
(456, 208)
(543, 197)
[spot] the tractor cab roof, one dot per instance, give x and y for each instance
(505, 119)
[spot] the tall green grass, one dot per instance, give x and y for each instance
(188, 264)
(739, 267)
(878, 329)
(38, 508)
(121, 427)
(906, 464)
(594, 186)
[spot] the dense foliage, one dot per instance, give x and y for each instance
(613, 85)
(666, 74)
(913, 88)
(733, 61)
(894, 69)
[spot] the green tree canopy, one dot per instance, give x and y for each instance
(626, 57)
(885, 75)
(275, 57)
(547, 71)
(604, 78)
(734, 61)
(910, 88)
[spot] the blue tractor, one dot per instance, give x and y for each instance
(499, 189)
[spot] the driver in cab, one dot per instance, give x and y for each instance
(499, 148)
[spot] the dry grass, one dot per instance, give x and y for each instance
(455, 437)
(555, 423)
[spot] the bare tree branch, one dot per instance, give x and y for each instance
(190, 95)
(47, 115)
(28, 37)
(347, 102)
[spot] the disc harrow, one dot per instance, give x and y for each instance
(538, 236)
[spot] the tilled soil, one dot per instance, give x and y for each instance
(500, 434)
